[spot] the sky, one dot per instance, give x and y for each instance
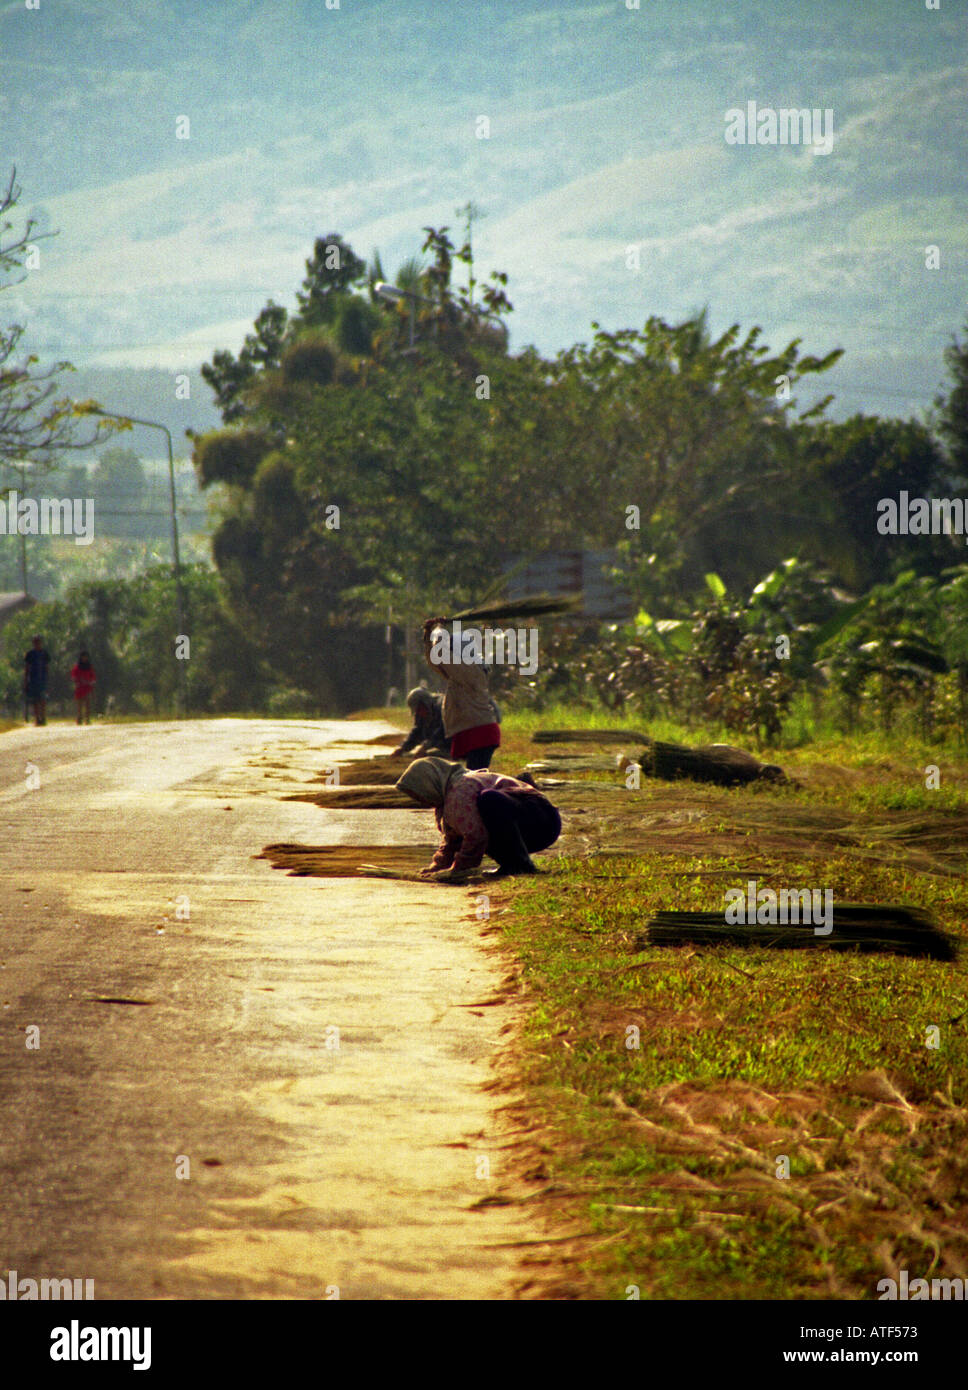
(592, 136)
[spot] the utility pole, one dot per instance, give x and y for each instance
(23, 534)
(410, 654)
(176, 557)
(469, 211)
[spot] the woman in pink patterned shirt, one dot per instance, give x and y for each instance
(480, 812)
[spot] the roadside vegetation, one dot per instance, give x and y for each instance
(735, 1122)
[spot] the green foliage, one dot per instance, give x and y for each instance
(849, 468)
(310, 358)
(891, 653)
(722, 665)
(129, 628)
(230, 456)
(690, 430)
(228, 375)
(443, 456)
(330, 272)
(356, 326)
(953, 422)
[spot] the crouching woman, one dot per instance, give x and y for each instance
(480, 812)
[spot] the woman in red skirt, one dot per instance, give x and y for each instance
(470, 715)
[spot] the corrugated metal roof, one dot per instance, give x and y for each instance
(565, 572)
(14, 603)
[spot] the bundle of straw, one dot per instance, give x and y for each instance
(588, 736)
(904, 931)
(535, 606)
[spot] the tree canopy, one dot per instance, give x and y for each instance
(364, 472)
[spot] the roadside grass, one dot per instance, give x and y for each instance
(743, 1123)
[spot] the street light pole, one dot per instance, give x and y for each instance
(392, 293)
(22, 469)
(179, 593)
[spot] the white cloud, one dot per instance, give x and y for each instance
(180, 353)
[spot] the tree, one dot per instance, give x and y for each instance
(849, 466)
(331, 271)
(119, 474)
(228, 375)
(357, 484)
(35, 422)
(953, 423)
(118, 487)
(695, 434)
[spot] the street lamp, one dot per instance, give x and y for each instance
(21, 468)
(179, 597)
(392, 293)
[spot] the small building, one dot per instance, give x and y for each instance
(569, 571)
(13, 603)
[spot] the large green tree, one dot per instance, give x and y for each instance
(696, 433)
(850, 466)
(406, 475)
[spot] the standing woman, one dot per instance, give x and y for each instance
(470, 715)
(84, 678)
(481, 812)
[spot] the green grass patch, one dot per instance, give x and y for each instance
(736, 1122)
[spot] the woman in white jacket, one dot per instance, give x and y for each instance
(470, 715)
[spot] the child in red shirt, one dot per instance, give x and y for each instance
(84, 677)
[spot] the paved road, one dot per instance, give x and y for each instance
(213, 1142)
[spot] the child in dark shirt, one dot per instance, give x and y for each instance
(36, 662)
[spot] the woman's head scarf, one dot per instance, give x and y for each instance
(420, 696)
(429, 779)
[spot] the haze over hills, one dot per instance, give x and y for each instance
(606, 132)
(149, 392)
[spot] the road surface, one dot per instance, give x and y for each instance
(214, 1141)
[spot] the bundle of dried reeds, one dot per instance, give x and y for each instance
(370, 772)
(589, 736)
(535, 606)
(714, 762)
(905, 931)
(347, 861)
(365, 798)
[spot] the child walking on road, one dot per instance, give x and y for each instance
(84, 678)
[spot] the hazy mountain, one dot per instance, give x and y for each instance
(606, 133)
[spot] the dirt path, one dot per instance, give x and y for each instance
(311, 1167)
